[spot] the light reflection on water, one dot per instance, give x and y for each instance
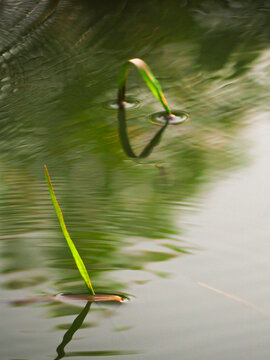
(138, 223)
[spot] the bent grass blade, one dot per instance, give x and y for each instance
(148, 78)
(74, 251)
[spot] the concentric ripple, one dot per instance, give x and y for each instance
(130, 103)
(176, 118)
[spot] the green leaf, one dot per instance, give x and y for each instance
(148, 78)
(74, 251)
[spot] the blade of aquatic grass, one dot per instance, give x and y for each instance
(148, 78)
(74, 251)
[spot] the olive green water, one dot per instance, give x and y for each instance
(184, 232)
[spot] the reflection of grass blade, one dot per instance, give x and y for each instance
(123, 135)
(148, 78)
(77, 323)
(71, 245)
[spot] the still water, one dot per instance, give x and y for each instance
(182, 232)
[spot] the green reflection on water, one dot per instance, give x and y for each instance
(53, 112)
(123, 135)
(77, 323)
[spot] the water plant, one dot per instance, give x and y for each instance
(167, 117)
(148, 78)
(78, 260)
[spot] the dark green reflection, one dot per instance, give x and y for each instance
(124, 138)
(77, 323)
(39, 15)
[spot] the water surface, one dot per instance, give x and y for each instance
(183, 231)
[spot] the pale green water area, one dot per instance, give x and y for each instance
(184, 231)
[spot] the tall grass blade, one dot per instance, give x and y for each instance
(75, 254)
(148, 78)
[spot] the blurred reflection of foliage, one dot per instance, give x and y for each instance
(53, 96)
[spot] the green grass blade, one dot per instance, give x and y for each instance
(75, 254)
(148, 78)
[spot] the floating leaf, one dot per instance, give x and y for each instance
(148, 78)
(74, 251)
